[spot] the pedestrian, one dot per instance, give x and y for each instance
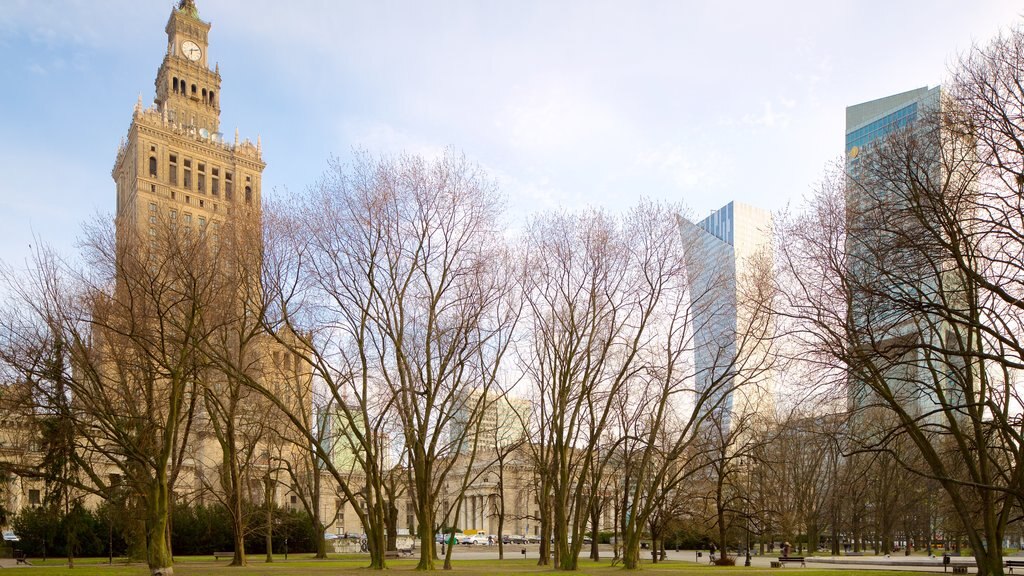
(785, 549)
(711, 552)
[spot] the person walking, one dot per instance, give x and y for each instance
(785, 549)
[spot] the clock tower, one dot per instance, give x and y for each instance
(175, 166)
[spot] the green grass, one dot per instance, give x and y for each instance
(299, 564)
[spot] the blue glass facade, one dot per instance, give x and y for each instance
(866, 134)
(720, 224)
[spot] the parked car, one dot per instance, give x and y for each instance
(470, 539)
(533, 539)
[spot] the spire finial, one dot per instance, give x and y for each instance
(236, 136)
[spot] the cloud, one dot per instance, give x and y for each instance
(768, 117)
(546, 118)
(385, 138)
(684, 167)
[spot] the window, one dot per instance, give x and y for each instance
(248, 194)
(172, 170)
(174, 216)
(33, 497)
(201, 178)
(227, 186)
(215, 182)
(152, 206)
(202, 222)
(152, 166)
(187, 180)
(188, 219)
(152, 219)
(201, 202)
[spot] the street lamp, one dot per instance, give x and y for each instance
(747, 561)
(746, 512)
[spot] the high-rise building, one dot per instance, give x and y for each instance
(892, 272)
(175, 165)
(727, 254)
(179, 181)
(489, 421)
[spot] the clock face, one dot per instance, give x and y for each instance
(191, 50)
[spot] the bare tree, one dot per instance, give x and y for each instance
(134, 322)
(914, 294)
(389, 281)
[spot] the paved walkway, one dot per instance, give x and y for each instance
(871, 562)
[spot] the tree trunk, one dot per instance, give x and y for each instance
(237, 513)
(391, 525)
(158, 554)
(501, 516)
(425, 509)
(268, 495)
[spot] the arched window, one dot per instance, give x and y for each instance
(175, 84)
(248, 194)
(204, 94)
(193, 89)
(211, 98)
(152, 166)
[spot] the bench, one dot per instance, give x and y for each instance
(397, 553)
(783, 559)
(21, 558)
(959, 569)
(1011, 564)
(219, 555)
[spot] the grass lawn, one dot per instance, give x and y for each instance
(299, 564)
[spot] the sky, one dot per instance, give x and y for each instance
(566, 104)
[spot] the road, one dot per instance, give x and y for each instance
(895, 562)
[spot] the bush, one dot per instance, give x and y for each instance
(44, 532)
(202, 530)
(195, 531)
(726, 561)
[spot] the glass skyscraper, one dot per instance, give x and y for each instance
(731, 370)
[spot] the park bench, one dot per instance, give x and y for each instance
(219, 555)
(21, 558)
(398, 553)
(781, 563)
(1011, 564)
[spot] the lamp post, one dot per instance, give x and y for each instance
(747, 561)
(746, 512)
